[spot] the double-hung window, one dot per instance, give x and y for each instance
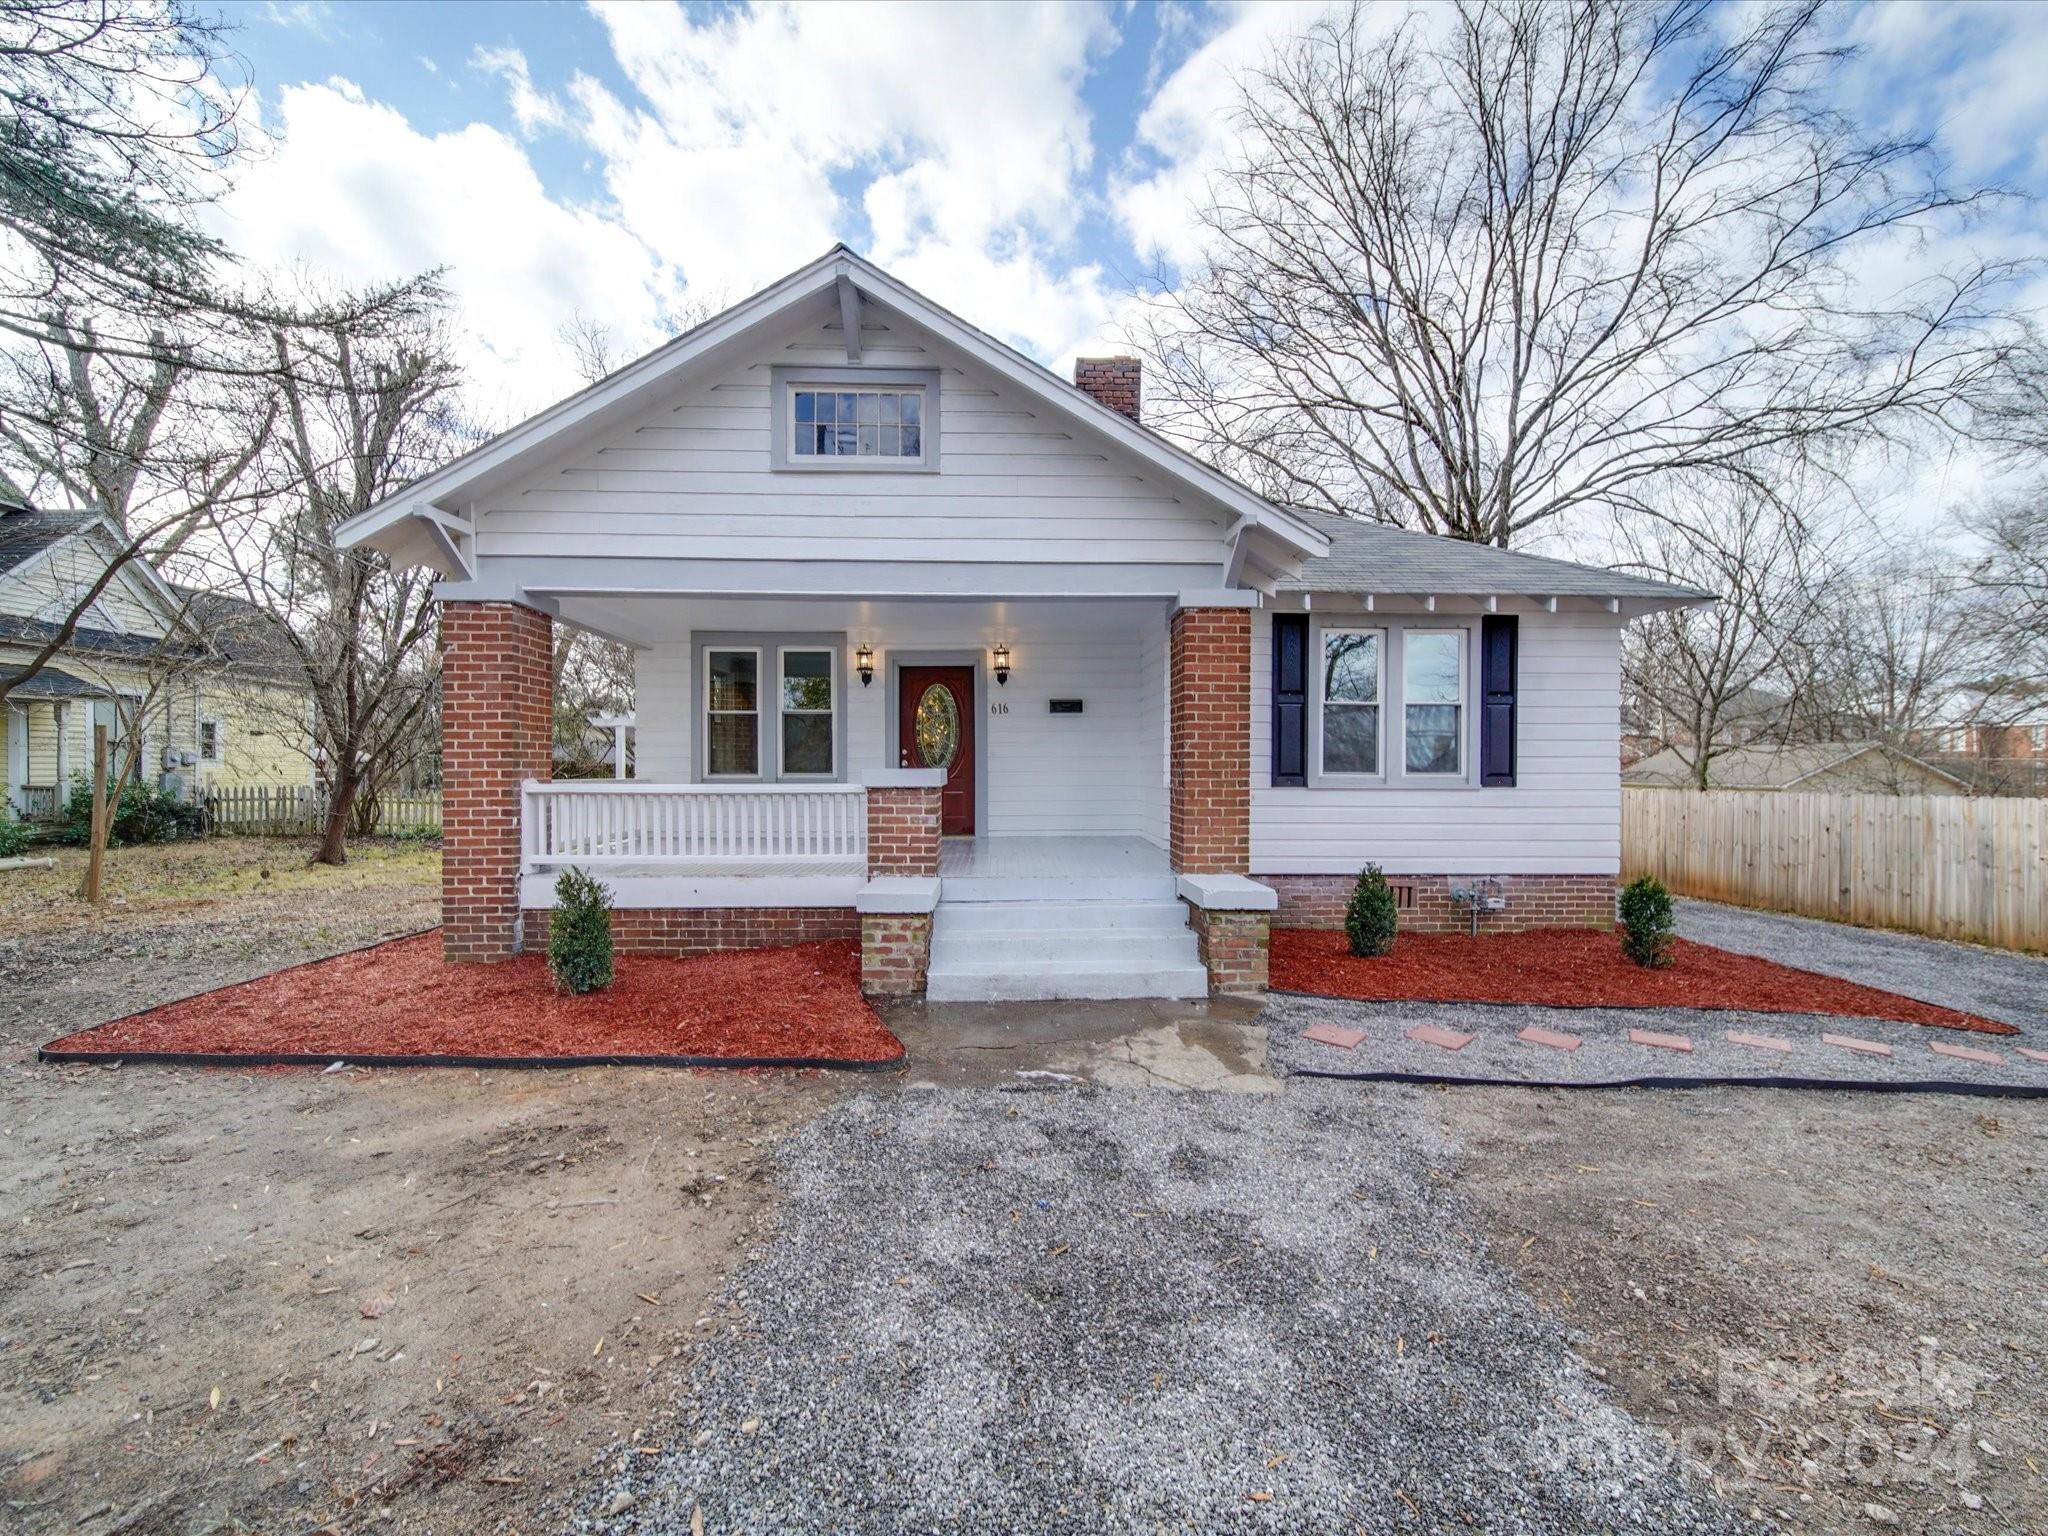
(209, 740)
(1433, 701)
(806, 726)
(732, 714)
(1353, 670)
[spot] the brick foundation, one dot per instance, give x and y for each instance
(1234, 946)
(679, 931)
(903, 832)
(1209, 710)
(895, 952)
(1534, 901)
(497, 730)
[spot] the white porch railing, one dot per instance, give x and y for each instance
(699, 828)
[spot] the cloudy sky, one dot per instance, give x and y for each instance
(1024, 165)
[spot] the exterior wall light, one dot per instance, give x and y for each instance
(1002, 661)
(864, 662)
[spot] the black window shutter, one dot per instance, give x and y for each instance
(1290, 698)
(1498, 640)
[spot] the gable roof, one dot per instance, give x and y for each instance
(1769, 767)
(26, 531)
(1372, 557)
(417, 520)
(250, 637)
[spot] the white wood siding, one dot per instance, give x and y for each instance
(1562, 817)
(1101, 771)
(692, 480)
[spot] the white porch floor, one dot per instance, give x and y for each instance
(1027, 857)
(1060, 917)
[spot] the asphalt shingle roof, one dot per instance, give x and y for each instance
(26, 531)
(51, 683)
(1762, 767)
(1374, 557)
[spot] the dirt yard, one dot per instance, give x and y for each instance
(273, 1301)
(1832, 1302)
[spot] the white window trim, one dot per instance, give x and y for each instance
(220, 740)
(831, 714)
(1345, 776)
(1394, 775)
(707, 712)
(1462, 635)
(786, 380)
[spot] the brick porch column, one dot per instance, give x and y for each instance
(1209, 711)
(903, 881)
(497, 730)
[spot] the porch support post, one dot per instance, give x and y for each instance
(497, 731)
(903, 880)
(1210, 815)
(1209, 706)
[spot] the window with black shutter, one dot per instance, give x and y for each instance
(1498, 640)
(1290, 698)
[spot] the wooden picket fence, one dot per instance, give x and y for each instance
(1953, 866)
(288, 811)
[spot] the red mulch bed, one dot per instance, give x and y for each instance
(1582, 968)
(402, 999)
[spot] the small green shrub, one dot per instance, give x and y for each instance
(1370, 920)
(13, 835)
(141, 814)
(580, 934)
(1646, 921)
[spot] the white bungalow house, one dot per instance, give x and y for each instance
(940, 650)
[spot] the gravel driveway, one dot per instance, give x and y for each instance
(1996, 983)
(1106, 1310)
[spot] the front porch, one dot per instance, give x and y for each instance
(1027, 837)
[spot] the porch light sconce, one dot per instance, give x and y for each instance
(864, 661)
(1002, 661)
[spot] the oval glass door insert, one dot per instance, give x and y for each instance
(937, 727)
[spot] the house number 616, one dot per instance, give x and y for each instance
(997, 707)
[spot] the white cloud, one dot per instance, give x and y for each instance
(965, 124)
(352, 191)
(533, 110)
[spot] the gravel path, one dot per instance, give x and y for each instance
(1996, 983)
(1607, 1055)
(1134, 1310)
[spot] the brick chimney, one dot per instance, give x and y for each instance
(1115, 381)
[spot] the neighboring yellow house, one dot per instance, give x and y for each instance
(206, 679)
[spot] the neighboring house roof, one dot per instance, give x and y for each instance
(1769, 767)
(105, 642)
(1377, 558)
(416, 524)
(250, 637)
(26, 531)
(51, 683)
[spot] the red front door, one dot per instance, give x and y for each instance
(935, 729)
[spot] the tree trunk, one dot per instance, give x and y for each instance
(334, 840)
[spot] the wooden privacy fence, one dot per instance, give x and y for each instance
(1949, 865)
(287, 811)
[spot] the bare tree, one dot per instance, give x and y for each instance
(362, 415)
(1708, 679)
(1535, 255)
(2011, 575)
(1899, 637)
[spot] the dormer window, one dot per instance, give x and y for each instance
(871, 420)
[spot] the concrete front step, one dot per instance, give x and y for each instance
(1056, 888)
(1047, 981)
(1023, 950)
(1011, 918)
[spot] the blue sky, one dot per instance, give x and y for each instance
(637, 164)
